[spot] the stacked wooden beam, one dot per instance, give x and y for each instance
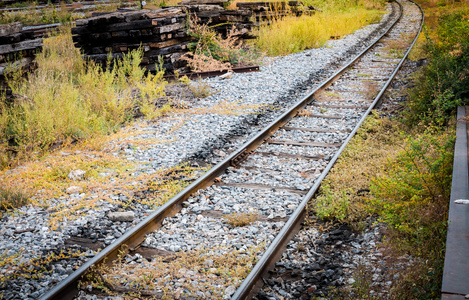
(212, 12)
(17, 47)
(160, 33)
(270, 10)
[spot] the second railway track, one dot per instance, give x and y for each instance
(271, 177)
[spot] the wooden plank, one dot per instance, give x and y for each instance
(289, 155)
(203, 2)
(163, 13)
(164, 44)
(15, 47)
(256, 186)
(7, 29)
(340, 106)
(302, 143)
(24, 62)
(315, 129)
(320, 116)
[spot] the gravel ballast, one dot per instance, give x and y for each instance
(201, 138)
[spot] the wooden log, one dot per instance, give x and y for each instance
(166, 50)
(16, 37)
(116, 17)
(163, 13)
(135, 25)
(7, 29)
(13, 56)
(164, 44)
(103, 57)
(203, 7)
(23, 63)
(15, 47)
(195, 2)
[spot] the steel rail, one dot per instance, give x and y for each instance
(130, 240)
(272, 254)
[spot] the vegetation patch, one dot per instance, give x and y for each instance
(207, 270)
(241, 219)
(11, 198)
(15, 266)
(443, 84)
(210, 51)
(290, 34)
(68, 99)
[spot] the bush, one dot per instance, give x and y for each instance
(411, 195)
(443, 85)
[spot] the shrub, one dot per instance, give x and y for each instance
(443, 85)
(412, 192)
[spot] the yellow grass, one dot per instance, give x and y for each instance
(67, 99)
(294, 34)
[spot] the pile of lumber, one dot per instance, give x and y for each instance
(265, 11)
(157, 32)
(18, 47)
(160, 33)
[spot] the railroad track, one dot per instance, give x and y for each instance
(272, 177)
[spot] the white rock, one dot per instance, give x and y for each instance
(74, 190)
(229, 291)
(121, 216)
(462, 201)
(77, 175)
(226, 76)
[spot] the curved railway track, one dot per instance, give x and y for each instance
(283, 165)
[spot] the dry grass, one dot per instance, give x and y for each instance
(11, 198)
(15, 266)
(211, 51)
(213, 268)
(294, 34)
(371, 89)
(241, 219)
(200, 89)
(93, 102)
(226, 108)
(343, 194)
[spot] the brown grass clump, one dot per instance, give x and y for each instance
(12, 198)
(241, 219)
(15, 266)
(213, 52)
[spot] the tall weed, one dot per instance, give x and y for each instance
(67, 98)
